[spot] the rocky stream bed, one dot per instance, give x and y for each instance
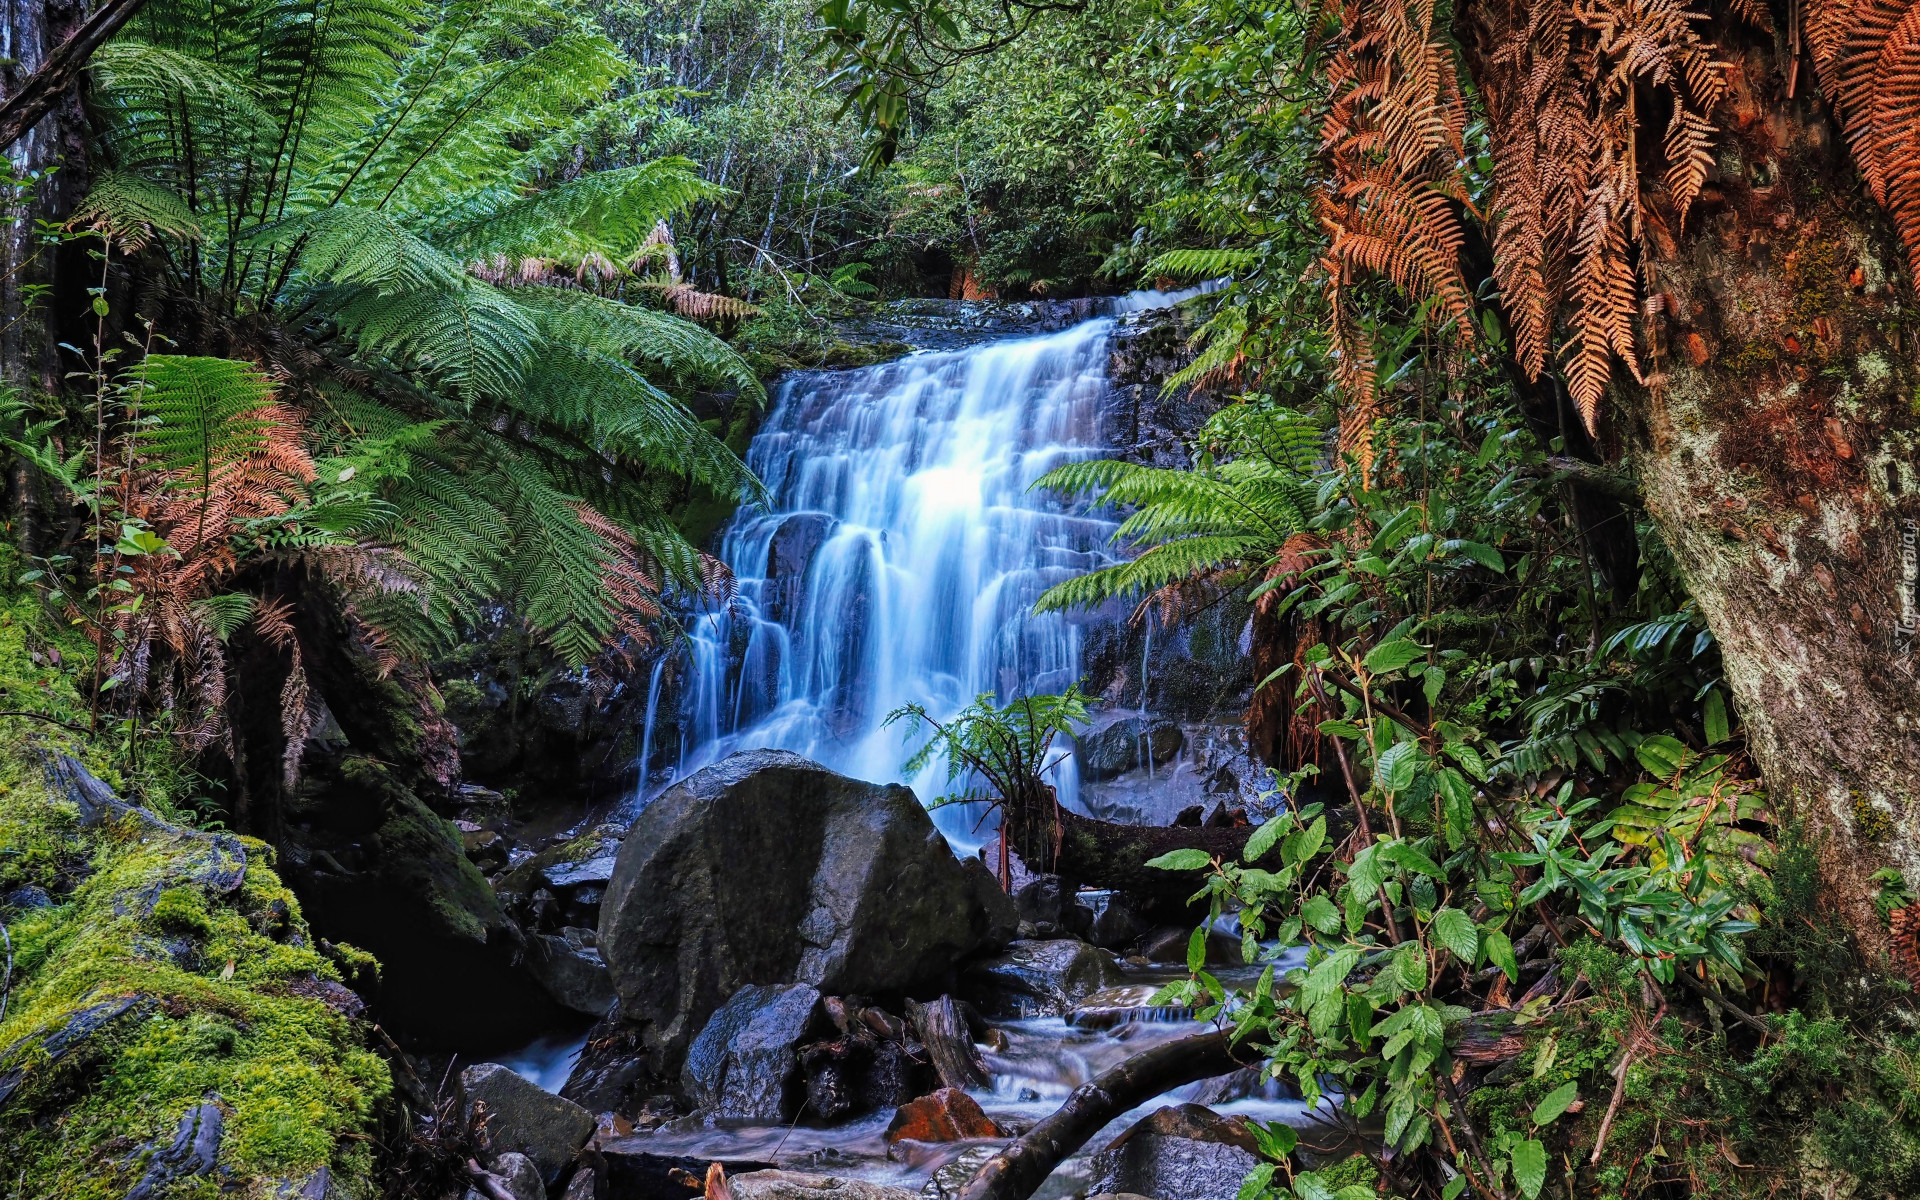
(795, 974)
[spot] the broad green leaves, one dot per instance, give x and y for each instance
(1555, 1103)
(1530, 1167)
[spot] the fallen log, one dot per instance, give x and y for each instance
(1018, 1171)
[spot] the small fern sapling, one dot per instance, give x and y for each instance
(1006, 748)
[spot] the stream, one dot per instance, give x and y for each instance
(898, 563)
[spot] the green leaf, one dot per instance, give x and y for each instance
(1276, 1140)
(1304, 845)
(1360, 1019)
(1467, 757)
(1500, 953)
(1407, 856)
(1182, 860)
(1320, 913)
(1479, 552)
(1394, 771)
(1324, 979)
(1391, 656)
(1254, 1187)
(1263, 839)
(1556, 1103)
(1197, 949)
(1662, 755)
(1530, 1167)
(1458, 1183)
(1713, 714)
(1457, 933)
(1411, 965)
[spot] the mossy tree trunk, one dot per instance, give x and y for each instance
(1777, 449)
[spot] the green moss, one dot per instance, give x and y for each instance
(183, 910)
(219, 977)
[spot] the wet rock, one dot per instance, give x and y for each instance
(855, 1074)
(1039, 978)
(948, 1115)
(744, 1063)
(792, 1185)
(37, 1054)
(583, 1186)
(1116, 926)
(378, 868)
(1186, 1150)
(767, 869)
(1168, 944)
(1126, 743)
(1049, 908)
(568, 966)
(521, 1176)
(952, 1177)
(788, 552)
(611, 1073)
(521, 1118)
(25, 899)
(195, 1150)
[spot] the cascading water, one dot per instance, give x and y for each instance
(900, 557)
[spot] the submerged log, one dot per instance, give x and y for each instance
(1016, 1172)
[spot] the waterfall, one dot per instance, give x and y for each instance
(900, 558)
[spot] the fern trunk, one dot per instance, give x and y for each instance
(1778, 459)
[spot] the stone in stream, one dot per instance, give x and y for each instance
(743, 1064)
(1039, 978)
(948, 1115)
(769, 869)
(522, 1118)
(1183, 1150)
(792, 1185)
(1048, 908)
(568, 966)
(522, 1177)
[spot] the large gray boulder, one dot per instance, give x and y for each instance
(770, 869)
(523, 1119)
(744, 1063)
(1187, 1151)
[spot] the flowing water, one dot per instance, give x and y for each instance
(900, 558)
(898, 563)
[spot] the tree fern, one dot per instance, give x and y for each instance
(1226, 516)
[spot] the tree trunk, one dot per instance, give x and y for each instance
(1777, 449)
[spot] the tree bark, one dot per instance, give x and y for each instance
(1776, 448)
(949, 1043)
(1017, 1171)
(55, 78)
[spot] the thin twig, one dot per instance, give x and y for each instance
(42, 717)
(6, 984)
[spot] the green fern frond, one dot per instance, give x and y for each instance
(129, 210)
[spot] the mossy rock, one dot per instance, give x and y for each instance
(169, 976)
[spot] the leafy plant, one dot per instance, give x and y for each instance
(1002, 754)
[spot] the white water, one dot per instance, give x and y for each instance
(931, 552)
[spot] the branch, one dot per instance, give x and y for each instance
(44, 88)
(1608, 482)
(1017, 1171)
